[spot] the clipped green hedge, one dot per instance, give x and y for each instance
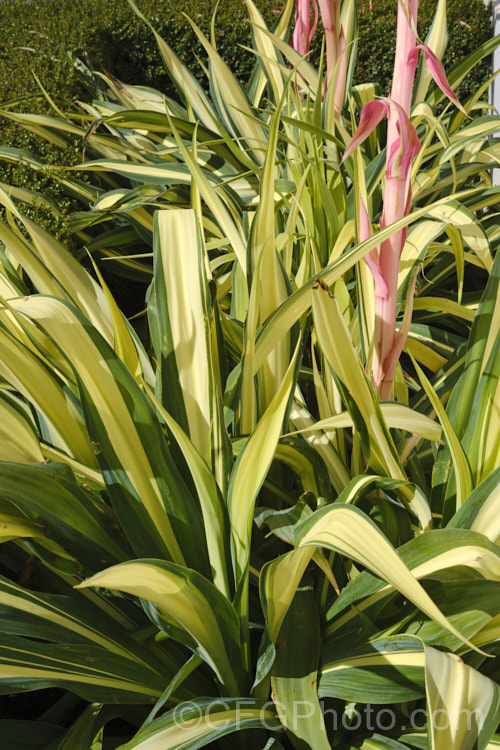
(109, 36)
(36, 34)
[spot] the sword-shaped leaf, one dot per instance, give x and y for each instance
(17, 432)
(85, 732)
(213, 507)
(346, 530)
(336, 342)
(55, 265)
(191, 603)
(459, 457)
(264, 46)
(58, 412)
(427, 555)
(12, 527)
(155, 507)
(295, 673)
(232, 103)
(481, 510)
(299, 302)
(184, 80)
(89, 671)
(463, 704)
(180, 319)
(395, 415)
(71, 516)
(220, 209)
(481, 440)
(72, 619)
(251, 469)
(385, 670)
(200, 723)
(480, 347)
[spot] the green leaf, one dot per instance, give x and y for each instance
(89, 671)
(70, 515)
(464, 705)
(152, 502)
(84, 730)
(470, 228)
(264, 46)
(478, 130)
(481, 510)
(480, 346)
(72, 619)
(395, 415)
(468, 603)
(294, 674)
(385, 670)
(59, 414)
(191, 603)
(251, 469)
(443, 551)
(56, 269)
(12, 527)
(229, 224)
(336, 342)
(345, 529)
(232, 102)
(299, 302)
(184, 80)
(268, 282)
(213, 508)
(306, 463)
(180, 322)
(459, 458)
(200, 723)
(481, 440)
(279, 580)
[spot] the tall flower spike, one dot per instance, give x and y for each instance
(304, 26)
(403, 145)
(330, 16)
(384, 265)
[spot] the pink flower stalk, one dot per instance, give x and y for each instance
(330, 17)
(304, 26)
(402, 147)
(397, 195)
(334, 38)
(384, 264)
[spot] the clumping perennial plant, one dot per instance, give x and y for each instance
(267, 506)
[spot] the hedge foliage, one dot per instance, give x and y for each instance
(108, 36)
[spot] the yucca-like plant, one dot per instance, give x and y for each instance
(226, 530)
